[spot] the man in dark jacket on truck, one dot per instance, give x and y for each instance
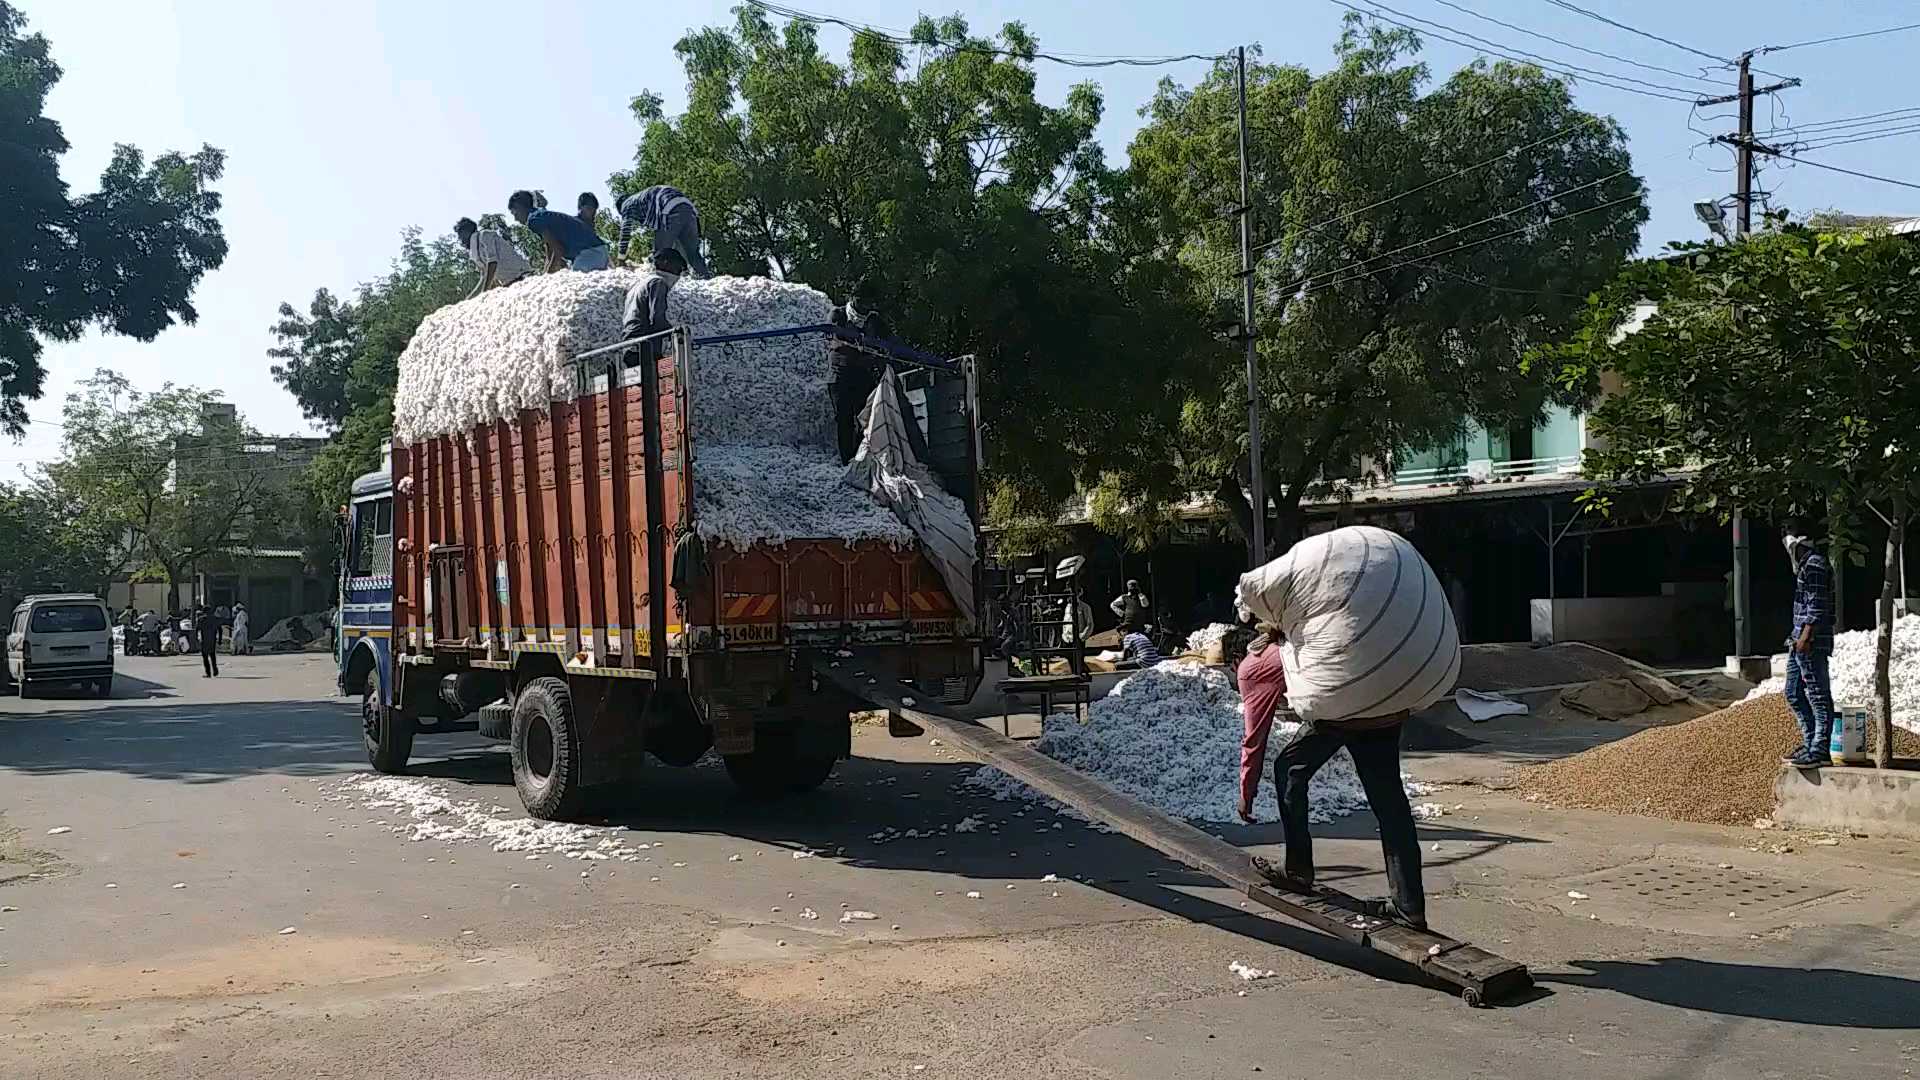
(646, 309)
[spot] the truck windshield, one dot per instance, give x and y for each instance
(373, 538)
(68, 618)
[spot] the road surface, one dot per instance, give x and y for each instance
(226, 896)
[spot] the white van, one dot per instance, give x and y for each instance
(58, 639)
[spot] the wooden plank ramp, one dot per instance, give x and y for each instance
(1482, 977)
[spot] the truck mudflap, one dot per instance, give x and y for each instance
(1481, 977)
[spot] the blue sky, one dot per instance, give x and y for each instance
(346, 122)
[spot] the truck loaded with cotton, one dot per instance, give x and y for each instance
(605, 555)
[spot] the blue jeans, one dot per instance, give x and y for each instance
(1810, 696)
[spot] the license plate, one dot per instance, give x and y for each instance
(70, 649)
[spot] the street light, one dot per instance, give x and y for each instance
(1713, 216)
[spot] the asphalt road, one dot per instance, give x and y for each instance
(203, 819)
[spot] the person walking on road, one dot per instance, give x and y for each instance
(1810, 645)
(241, 624)
(569, 242)
(499, 262)
(206, 627)
(674, 219)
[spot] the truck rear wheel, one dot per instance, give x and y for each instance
(776, 767)
(387, 732)
(545, 749)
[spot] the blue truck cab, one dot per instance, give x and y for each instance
(365, 656)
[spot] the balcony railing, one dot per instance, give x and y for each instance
(1485, 470)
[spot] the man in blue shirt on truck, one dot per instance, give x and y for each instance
(1810, 645)
(570, 242)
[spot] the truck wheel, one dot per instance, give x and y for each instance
(775, 769)
(387, 732)
(103, 687)
(545, 748)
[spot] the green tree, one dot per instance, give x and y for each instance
(1777, 375)
(49, 544)
(980, 216)
(340, 359)
(125, 259)
(1408, 262)
(169, 474)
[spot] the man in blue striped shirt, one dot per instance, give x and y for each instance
(1136, 648)
(1809, 686)
(672, 217)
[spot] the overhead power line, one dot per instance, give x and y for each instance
(1557, 67)
(1835, 168)
(1078, 60)
(1866, 120)
(1463, 9)
(1463, 228)
(1456, 174)
(1535, 56)
(1855, 137)
(1477, 243)
(1838, 37)
(1578, 10)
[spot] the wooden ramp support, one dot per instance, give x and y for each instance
(1482, 977)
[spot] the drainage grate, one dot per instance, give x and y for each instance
(1683, 887)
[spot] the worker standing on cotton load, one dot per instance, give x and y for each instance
(645, 313)
(569, 242)
(674, 219)
(855, 371)
(499, 261)
(1368, 640)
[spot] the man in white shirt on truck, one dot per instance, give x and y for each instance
(500, 263)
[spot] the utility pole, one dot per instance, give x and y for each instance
(1256, 480)
(1743, 197)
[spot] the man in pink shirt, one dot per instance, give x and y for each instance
(1263, 686)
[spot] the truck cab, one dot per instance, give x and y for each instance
(365, 639)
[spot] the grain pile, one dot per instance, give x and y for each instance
(1718, 769)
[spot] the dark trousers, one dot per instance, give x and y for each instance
(1376, 757)
(209, 656)
(1810, 696)
(850, 389)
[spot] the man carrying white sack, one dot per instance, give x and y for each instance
(1368, 640)
(500, 263)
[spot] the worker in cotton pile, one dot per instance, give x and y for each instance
(570, 243)
(1364, 639)
(646, 309)
(1136, 649)
(674, 219)
(499, 261)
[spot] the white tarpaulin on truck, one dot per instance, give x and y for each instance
(1369, 631)
(887, 468)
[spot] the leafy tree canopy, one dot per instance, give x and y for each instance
(168, 474)
(48, 543)
(1408, 263)
(125, 258)
(1776, 374)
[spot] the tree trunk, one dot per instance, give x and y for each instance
(1883, 634)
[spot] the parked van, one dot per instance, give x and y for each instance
(59, 639)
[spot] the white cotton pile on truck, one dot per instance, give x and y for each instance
(766, 469)
(1170, 737)
(1368, 628)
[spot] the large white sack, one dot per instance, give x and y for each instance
(1369, 631)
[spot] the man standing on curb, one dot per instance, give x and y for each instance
(1810, 645)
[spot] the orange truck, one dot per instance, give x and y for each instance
(542, 579)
